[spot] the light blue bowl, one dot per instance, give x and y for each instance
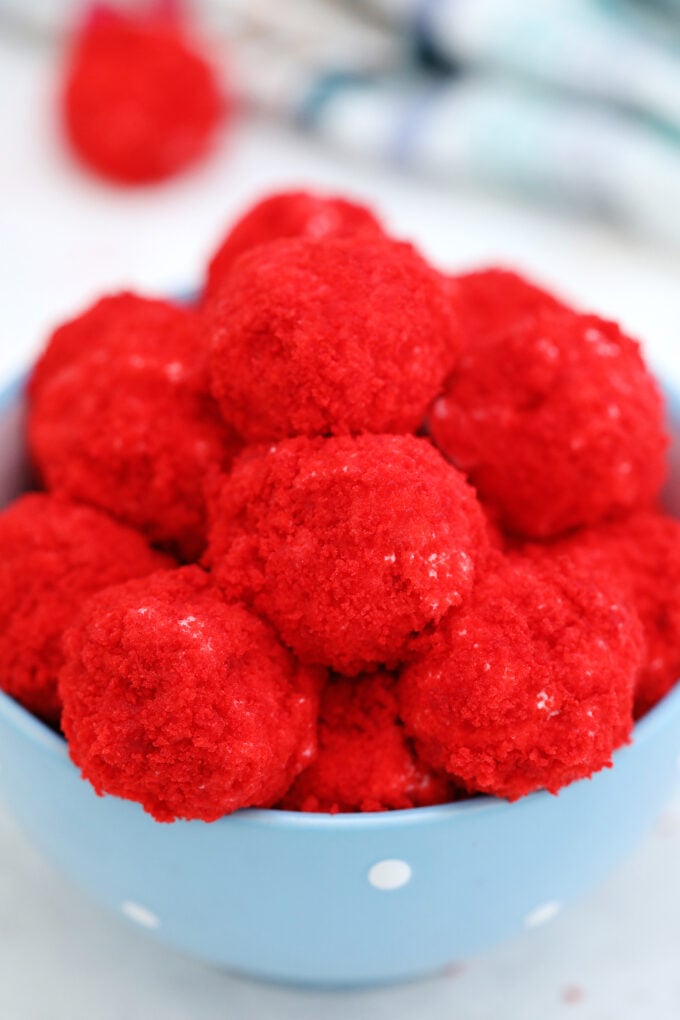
(322, 900)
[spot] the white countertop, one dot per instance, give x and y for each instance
(65, 238)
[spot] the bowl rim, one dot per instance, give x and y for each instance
(40, 734)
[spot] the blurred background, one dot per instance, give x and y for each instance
(540, 135)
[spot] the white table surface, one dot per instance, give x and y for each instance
(65, 238)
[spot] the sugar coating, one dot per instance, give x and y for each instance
(331, 336)
(529, 685)
(557, 421)
(182, 702)
(365, 761)
(643, 553)
(53, 556)
(491, 300)
(139, 102)
(350, 546)
(288, 214)
(129, 425)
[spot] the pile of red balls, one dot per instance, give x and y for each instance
(347, 535)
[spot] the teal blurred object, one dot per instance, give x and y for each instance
(326, 900)
(576, 102)
(571, 101)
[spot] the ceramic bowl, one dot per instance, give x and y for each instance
(332, 900)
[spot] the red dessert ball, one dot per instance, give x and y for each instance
(489, 301)
(530, 684)
(643, 552)
(288, 214)
(53, 556)
(130, 427)
(350, 546)
(140, 102)
(332, 336)
(365, 762)
(185, 703)
(558, 423)
(119, 324)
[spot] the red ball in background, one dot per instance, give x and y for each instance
(288, 214)
(176, 699)
(365, 761)
(530, 684)
(139, 102)
(557, 421)
(53, 556)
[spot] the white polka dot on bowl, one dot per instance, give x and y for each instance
(139, 914)
(389, 874)
(542, 914)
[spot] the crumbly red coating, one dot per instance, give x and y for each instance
(131, 428)
(121, 324)
(182, 702)
(350, 546)
(53, 556)
(643, 553)
(530, 684)
(558, 423)
(140, 102)
(288, 214)
(489, 301)
(365, 761)
(332, 336)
